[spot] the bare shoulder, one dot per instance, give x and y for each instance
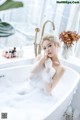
(61, 69)
(38, 57)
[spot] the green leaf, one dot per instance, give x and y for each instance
(5, 26)
(5, 34)
(9, 4)
(6, 29)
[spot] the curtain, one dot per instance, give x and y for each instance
(35, 13)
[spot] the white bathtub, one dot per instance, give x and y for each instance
(7, 63)
(34, 105)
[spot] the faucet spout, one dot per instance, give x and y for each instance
(37, 47)
(45, 25)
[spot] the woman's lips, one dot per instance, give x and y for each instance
(49, 53)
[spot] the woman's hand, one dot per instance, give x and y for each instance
(48, 87)
(45, 56)
(43, 59)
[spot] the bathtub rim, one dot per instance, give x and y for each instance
(75, 86)
(50, 111)
(14, 60)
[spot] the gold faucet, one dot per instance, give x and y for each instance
(44, 27)
(37, 47)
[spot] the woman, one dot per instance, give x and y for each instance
(50, 46)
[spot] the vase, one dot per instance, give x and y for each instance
(66, 52)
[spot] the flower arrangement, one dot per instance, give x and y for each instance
(68, 37)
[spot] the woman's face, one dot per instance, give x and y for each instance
(49, 48)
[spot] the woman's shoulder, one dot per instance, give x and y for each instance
(61, 69)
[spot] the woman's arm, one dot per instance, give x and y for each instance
(58, 76)
(56, 79)
(41, 61)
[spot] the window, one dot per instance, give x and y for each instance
(34, 14)
(64, 18)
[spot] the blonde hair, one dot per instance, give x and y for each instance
(51, 38)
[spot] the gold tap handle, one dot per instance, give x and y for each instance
(35, 44)
(37, 30)
(39, 49)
